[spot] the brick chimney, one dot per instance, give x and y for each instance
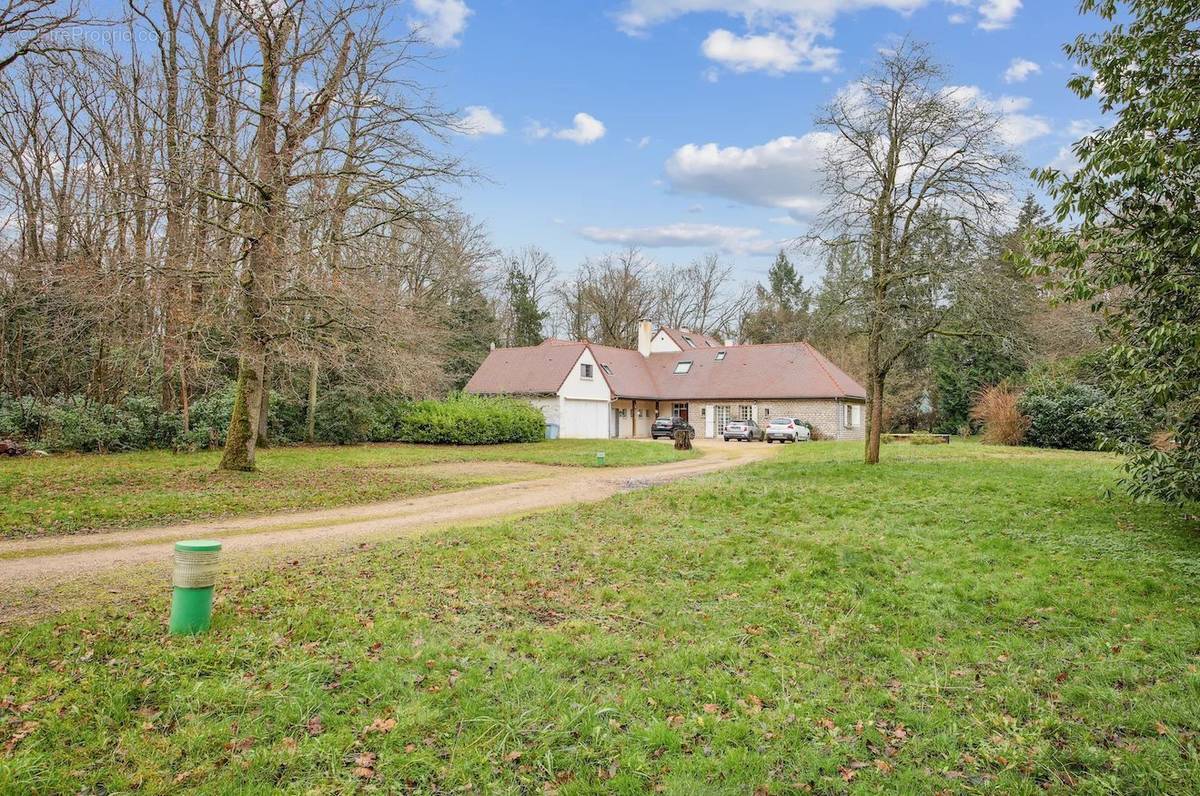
(645, 335)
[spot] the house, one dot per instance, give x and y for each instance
(595, 392)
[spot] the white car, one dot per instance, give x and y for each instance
(788, 429)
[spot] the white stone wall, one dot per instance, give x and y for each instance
(547, 405)
(828, 417)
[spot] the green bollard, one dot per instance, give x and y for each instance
(600, 458)
(196, 562)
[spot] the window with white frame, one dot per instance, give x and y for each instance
(678, 410)
(720, 355)
(853, 415)
(607, 369)
(745, 412)
(689, 341)
(585, 371)
(684, 366)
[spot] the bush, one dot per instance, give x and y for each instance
(1063, 415)
(996, 408)
(470, 420)
(346, 416)
(924, 438)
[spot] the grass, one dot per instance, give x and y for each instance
(78, 493)
(960, 619)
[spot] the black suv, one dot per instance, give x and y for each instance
(666, 427)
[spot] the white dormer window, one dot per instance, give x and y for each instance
(689, 341)
(585, 371)
(720, 355)
(684, 366)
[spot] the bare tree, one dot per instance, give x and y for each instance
(911, 159)
(32, 27)
(701, 296)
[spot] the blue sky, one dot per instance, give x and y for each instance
(684, 126)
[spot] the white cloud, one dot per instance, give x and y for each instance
(783, 173)
(587, 129)
(1020, 69)
(1016, 127)
(771, 53)
(956, 18)
(1065, 161)
(479, 120)
(736, 240)
(780, 36)
(441, 22)
(997, 14)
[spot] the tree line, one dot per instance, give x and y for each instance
(258, 193)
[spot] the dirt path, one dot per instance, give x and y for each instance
(41, 575)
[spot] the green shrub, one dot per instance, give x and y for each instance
(1062, 415)
(346, 416)
(210, 418)
(470, 420)
(924, 438)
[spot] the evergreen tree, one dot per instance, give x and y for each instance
(1134, 208)
(781, 313)
(527, 317)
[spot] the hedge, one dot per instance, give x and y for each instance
(470, 420)
(344, 416)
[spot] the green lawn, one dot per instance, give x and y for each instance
(960, 619)
(74, 493)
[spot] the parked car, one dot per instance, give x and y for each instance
(667, 426)
(788, 429)
(743, 430)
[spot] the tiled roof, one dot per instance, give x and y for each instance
(531, 370)
(699, 340)
(777, 370)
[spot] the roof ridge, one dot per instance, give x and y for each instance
(820, 360)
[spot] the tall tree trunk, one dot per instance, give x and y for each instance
(262, 439)
(242, 434)
(874, 417)
(310, 428)
(265, 246)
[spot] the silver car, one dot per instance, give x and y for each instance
(788, 429)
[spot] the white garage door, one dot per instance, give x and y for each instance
(584, 419)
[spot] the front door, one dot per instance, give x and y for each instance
(721, 417)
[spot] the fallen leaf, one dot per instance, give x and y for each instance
(239, 744)
(314, 726)
(382, 726)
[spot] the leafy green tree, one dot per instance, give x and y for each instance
(962, 366)
(1133, 208)
(781, 314)
(527, 316)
